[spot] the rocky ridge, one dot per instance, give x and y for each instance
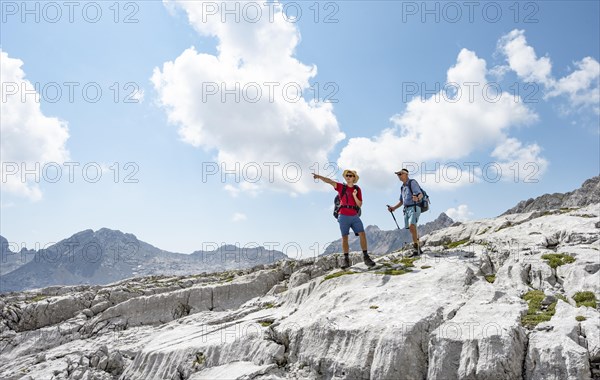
(587, 194)
(466, 309)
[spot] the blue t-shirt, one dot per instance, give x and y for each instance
(405, 195)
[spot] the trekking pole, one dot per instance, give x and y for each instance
(393, 216)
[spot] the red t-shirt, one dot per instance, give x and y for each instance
(349, 200)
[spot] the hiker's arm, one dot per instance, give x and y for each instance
(325, 179)
(356, 199)
(417, 195)
(395, 207)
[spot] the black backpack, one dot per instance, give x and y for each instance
(424, 203)
(337, 203)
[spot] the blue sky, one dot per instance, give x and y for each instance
(460, 89)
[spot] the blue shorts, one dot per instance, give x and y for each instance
(411, 215)
(346, 222)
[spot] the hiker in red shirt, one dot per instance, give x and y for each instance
(350, 204)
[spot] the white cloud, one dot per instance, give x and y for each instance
(460, 213)
(250, 189)
(440, 128)
(233, 191)
(581, 86)
(519, 163)
(264, 124)
(239, 217)
(29, 138)
(523, 59)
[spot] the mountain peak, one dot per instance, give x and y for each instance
(443, 217)
(588, 193)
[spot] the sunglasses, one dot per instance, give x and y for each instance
(349, 175)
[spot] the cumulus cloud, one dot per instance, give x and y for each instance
(29, 138)
(246, 102)
(441, 128)
(518, 163)
(581, 86)
(523, 59)
(239, 217)
(460, 213)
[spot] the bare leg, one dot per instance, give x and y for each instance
(413, 232)
(346, 249)
(363, 244)
(345, 246)
(363, 240)
(415, 237)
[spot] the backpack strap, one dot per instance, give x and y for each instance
(410, 190)
(344, 187)
(410, 181)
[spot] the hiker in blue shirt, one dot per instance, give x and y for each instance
(409, 197)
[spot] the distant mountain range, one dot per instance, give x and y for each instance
(106, 256)
(11, 260)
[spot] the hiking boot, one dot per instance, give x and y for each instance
(413, 253)
(345, 262)
(417, 249)
(367, 260)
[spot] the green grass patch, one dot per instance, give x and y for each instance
(374, 307)
(490, 278)
(585, 299)
(564, 210)
(134, 289)
(505, 225)
(580, 318)
(406, 261)
(270, 305)
(535, 312)
(561, 297)
(37, 298)
(200, 359)
(426, 267)
(266, 323)
(394, 272)
(337, 274)
(484, 230)
(455, 244)
(557, 259)
(228, 278)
